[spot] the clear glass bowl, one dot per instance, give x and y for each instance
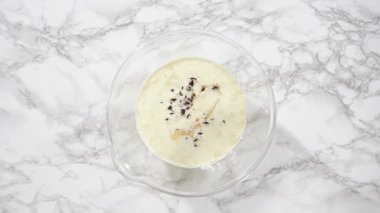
(130, 154)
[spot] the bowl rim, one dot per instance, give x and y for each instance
(272, 114)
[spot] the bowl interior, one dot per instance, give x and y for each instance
(132, 157)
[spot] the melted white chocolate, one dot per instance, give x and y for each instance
(191, 112)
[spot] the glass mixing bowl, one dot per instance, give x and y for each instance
(132, 157)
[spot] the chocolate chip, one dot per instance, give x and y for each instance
(188, 116)
(173, 99)
(203, 88)
(182, 111)
(166, 119)
(200, 133)
(180, 93)
(215, 86)
(188, 88)
(206, 122)
(195, 140)
(224, 121)
(172, 90)
(195, 145)
(170, 107)
(186, 103)
(161, 102)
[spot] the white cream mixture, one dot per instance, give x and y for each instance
(191, 112)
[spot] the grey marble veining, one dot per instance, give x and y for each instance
(58, 58)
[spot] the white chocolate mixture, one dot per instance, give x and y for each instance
(191, 112)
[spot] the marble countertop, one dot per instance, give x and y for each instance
(58, 59)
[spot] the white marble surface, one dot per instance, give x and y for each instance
(57, 60)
